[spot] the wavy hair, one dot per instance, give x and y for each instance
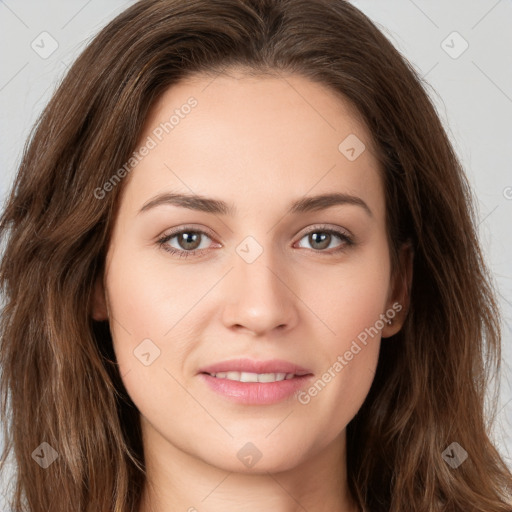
(59, 381)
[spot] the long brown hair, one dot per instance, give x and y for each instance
(59, 381)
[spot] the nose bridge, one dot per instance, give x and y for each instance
(256, 296)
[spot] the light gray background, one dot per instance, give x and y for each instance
(472, 91)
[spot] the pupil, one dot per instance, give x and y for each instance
(323, 239)
(190, 238)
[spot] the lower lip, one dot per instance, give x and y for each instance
(256, 393)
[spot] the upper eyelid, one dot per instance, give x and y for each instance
(193, 229)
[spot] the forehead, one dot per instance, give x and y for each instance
(276, 104)
(255, 137)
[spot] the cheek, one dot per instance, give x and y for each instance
(352, 309)
(144, 307)
(353, 294)
(145, 297)
(152, 307)
(350, 360)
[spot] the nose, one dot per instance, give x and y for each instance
(259, 296)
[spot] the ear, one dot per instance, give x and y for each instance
(99, 306)
(399, 298)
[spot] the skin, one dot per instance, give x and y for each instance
(258, 144)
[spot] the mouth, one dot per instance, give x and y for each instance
(255, 377)
(251, 370)
(250, 382)
(255, 382)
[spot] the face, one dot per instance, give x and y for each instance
(251, 267)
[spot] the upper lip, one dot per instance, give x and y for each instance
(254, 366)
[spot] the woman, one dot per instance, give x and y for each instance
(241, 271)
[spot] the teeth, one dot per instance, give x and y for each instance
(253, 377)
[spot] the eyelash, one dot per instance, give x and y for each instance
(162, 242)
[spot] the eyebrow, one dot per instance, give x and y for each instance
(217, 206)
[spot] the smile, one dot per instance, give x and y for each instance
(253, 377)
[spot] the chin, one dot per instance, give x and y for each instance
(253, 457)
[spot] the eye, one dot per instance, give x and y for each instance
(320, 238)
(188, 242)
